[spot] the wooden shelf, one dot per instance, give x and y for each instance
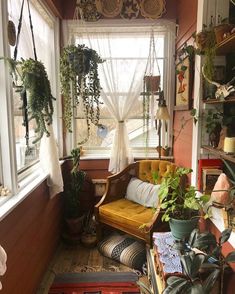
(216, 101)
(220, 154)
(226, 46)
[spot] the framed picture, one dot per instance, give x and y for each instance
(183, 99)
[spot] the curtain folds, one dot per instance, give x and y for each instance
(119, 92)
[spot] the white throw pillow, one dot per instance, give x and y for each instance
(143, 193)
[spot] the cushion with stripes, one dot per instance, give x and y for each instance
(124, 249)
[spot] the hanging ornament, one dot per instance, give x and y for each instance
(152, 9)
(88, 10)
(109, 8)
(130, 9)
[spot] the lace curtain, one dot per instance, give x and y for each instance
(119, 92)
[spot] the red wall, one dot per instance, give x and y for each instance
(182, 146)
(30, 235)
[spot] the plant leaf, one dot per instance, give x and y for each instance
(230, 257)
(193, 237)
(230, 169)
(196, 264)
(225, 235)
(175, 284)
(196, 289)
(186, 261)
(209, 282)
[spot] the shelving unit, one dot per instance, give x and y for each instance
(226, 46)
(216, 101)
(219, 153)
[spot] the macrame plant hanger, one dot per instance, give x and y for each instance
(151, 86)
(23, 93)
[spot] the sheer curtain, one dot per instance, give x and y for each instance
(119, 92)
(43, 33)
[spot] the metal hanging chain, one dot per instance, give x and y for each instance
(19, 30)
(23, 93)
(31, 28)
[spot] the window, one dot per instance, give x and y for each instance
(14, 160)
(124, 47)
(43, 30)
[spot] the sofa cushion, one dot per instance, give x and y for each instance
(143, 193)
(124, 249)
(126, 213)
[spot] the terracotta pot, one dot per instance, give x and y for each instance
(75, 225)
(221, 31)
(152, 83)
(201, 39)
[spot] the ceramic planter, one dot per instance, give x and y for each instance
(181, 229)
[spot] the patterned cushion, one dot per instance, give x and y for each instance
(124, 249)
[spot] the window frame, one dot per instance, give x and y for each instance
(72, 28)
(17, 181)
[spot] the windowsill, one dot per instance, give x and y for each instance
(137, 156)
(8, 203)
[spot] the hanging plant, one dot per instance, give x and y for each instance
(80, 84)
(29, 76)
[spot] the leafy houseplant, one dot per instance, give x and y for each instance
(201, 270)
(80, 84)
(72, 195)
(180, 203)
(32, 77)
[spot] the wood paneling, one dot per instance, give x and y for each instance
(182, 146)
(30, 234)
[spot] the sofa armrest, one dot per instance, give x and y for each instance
(117, 184)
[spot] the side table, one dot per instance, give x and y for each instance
(163, 261)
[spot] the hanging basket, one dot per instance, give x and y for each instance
(152, 83)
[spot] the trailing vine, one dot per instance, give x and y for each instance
(80, 84)
(40, 100)
(30, 76)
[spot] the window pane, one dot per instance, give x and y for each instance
(43, 34)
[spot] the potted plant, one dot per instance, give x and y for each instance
(30, 76)
(80, 84)
(202, 269)
(88, 237)
(72, 208)
(180, 203)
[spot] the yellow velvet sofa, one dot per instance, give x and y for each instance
(114, 210)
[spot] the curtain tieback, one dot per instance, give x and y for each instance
(121, 121)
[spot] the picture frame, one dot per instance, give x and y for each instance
(184, 81)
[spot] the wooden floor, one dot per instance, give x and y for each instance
(79, 259)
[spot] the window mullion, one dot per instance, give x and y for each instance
(9, 170)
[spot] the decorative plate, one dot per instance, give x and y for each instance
(11, 33)
(152, 8)
(130, 9)
(109, 8)
(89, 11)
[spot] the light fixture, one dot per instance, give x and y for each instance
(162, 115)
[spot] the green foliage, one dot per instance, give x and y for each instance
(72, 194)
(213, 118)
(32, 77)
(80, 83)
(179, 200)
(194, 264)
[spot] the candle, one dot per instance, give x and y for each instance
(229, 145)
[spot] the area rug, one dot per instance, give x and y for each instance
(95, 283)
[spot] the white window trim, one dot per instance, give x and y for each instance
(21, 185)
(167, 27)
